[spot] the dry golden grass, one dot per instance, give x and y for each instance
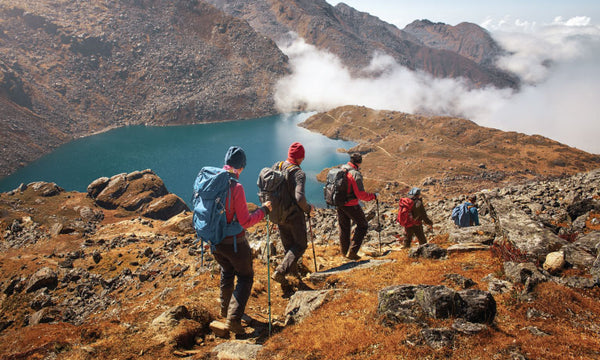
(348, 327)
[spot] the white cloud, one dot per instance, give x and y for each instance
(560, 98)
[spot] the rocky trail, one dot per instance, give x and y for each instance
(84, 277)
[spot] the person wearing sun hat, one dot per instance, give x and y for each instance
(234, 254)
(293, 230)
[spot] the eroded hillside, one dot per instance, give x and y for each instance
(446, 156)
(69, 69)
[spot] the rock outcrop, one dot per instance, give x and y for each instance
(139, 191)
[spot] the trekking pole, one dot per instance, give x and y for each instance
(378, 224)
(202, 253)
(269, 274)
(312, 238)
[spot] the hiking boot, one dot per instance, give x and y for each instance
(278, 277)
(235, 326)
(353, 256)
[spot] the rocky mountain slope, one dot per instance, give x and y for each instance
(69, 69)
(466, 50)
(446, 156)
(116, 273)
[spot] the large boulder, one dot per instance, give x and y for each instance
(583, 252)
(416, 303)
(518, 233)
(165, 207)
(140, 191)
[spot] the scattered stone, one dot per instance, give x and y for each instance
(555, 261)
(438, 338)
(45, 277)
(171, 317)
(467, 327)
(467, 247)
(236, 350)
(428, 251)
(303, 303)
(219, 329)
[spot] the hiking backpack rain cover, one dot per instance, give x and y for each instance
(211, 189)
(405, 217)
(335, 190)
(273, 186)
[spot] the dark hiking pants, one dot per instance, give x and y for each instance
(347, 215)
(417, 231)
(235, 264)
(293, 239)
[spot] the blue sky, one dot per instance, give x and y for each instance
(401, 13)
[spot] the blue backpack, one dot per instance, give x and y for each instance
(211, 189)
(461, 215)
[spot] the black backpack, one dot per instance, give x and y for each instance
(335, 191)
(273, 185)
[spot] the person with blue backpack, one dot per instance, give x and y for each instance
(466, 214)
(220, 217)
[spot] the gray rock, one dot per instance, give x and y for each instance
(236, 350)
(428, 251)
(362, 264)
(467, 327)
(479, 306)
(467, 247)
(96, 187)
(45, 315)
(438, 338)
(583, 252)
(44, 277)
(171, 317)
(483, 234)
(523, 272)
(303, 303)
(415, 303)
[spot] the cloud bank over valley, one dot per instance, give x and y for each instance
(557, 63)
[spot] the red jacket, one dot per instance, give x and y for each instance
(239, 207)
(356, 187)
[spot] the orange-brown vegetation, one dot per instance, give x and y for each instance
(452, 156)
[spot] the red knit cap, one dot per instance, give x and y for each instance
(296, 151)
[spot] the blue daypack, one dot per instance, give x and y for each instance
(461, 215)
(211, 189)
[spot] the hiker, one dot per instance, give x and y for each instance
(352, 211)
(293, 229)
(466, 214)
(234, 254)
(418, 216)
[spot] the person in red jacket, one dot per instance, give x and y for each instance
(351, 210)
(234, 254)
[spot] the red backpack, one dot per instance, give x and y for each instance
(405, 217)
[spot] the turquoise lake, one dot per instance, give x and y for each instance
(177, 153)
